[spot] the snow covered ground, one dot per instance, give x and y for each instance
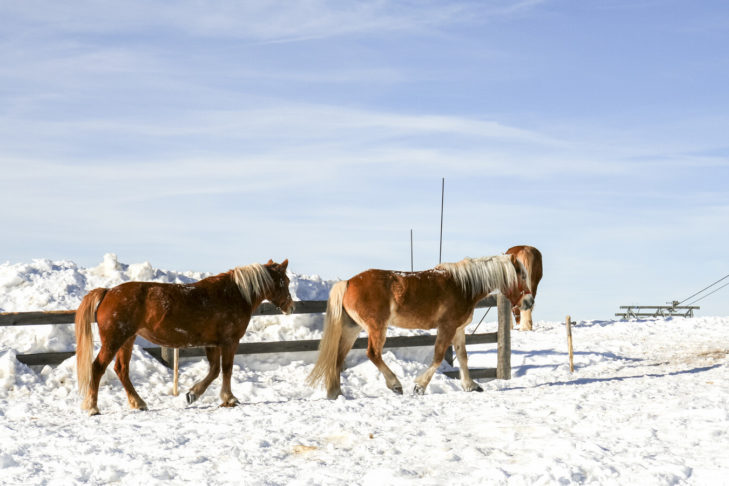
(648, 403)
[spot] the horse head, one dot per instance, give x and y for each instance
(520, 295)
(280, 295)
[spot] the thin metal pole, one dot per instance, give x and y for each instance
(411, 249)
(568, 323)
(176, 366)
(442, 200)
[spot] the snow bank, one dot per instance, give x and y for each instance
(648, 403)
(59, 285)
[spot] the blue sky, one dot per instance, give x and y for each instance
(216, 134)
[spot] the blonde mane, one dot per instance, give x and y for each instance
(480, 276)
(252, 280)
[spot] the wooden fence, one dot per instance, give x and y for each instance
(501, 337)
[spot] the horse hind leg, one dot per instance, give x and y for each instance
(350, 331)
(121, 367)
(213, 354)
(375, 343)
(98, 367)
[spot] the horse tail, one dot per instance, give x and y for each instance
(85, 315)
(326, 364)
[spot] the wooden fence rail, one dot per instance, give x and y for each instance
(502, 337)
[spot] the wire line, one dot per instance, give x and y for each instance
(706, 288)
(712, 292)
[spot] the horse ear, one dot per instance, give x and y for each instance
(284, 264)
(270, 262)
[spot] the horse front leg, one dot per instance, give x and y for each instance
(213, 354)
(442, 341)
(526, 320)
(226, 394)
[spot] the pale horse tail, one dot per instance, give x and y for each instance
(326, 364)
(85, 315)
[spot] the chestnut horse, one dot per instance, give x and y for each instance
(531, 258)
(213, 312)
(442, 298)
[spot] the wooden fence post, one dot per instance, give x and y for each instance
(503, 360)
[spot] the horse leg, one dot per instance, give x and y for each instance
(213, 354)
(350, 331)
(459, 343)
(526, 321)
(226, 393)
(123, 356)
(517, 316)
(375, 343)
(106, 354)
(442, 341)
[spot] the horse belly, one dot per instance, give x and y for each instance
(412, 319)
(178, 336)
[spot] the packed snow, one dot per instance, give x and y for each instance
(648, 403)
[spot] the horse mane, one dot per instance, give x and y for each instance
(252, 280)
(479, 276)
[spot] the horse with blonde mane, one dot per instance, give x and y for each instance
(213, 312)
(442, 298)
(531, 258)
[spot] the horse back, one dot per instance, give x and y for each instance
(404, 299)
(210, 311)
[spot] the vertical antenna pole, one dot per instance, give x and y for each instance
(442, 199)
(411, 249)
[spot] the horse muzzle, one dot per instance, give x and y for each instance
(288, 307)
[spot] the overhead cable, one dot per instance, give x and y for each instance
(712, 292)
(705, 288)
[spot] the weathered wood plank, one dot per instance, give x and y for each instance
(55, 358)
(475, 373)
(265, 309)
(33, 318)
(503, 360)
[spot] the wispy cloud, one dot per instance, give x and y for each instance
(273, 21)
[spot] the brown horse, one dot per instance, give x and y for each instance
(531, 258)
(442, 298)
(213, 312)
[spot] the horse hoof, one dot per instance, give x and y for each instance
(397, 389)
(418, 390)
(93, 411)
(190, 397)
(229, 404)
(473, 387)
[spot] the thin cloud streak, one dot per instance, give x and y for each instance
(276, 21)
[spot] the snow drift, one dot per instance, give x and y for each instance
(648, 404)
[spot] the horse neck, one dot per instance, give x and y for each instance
(477, 297)
(256, 297)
